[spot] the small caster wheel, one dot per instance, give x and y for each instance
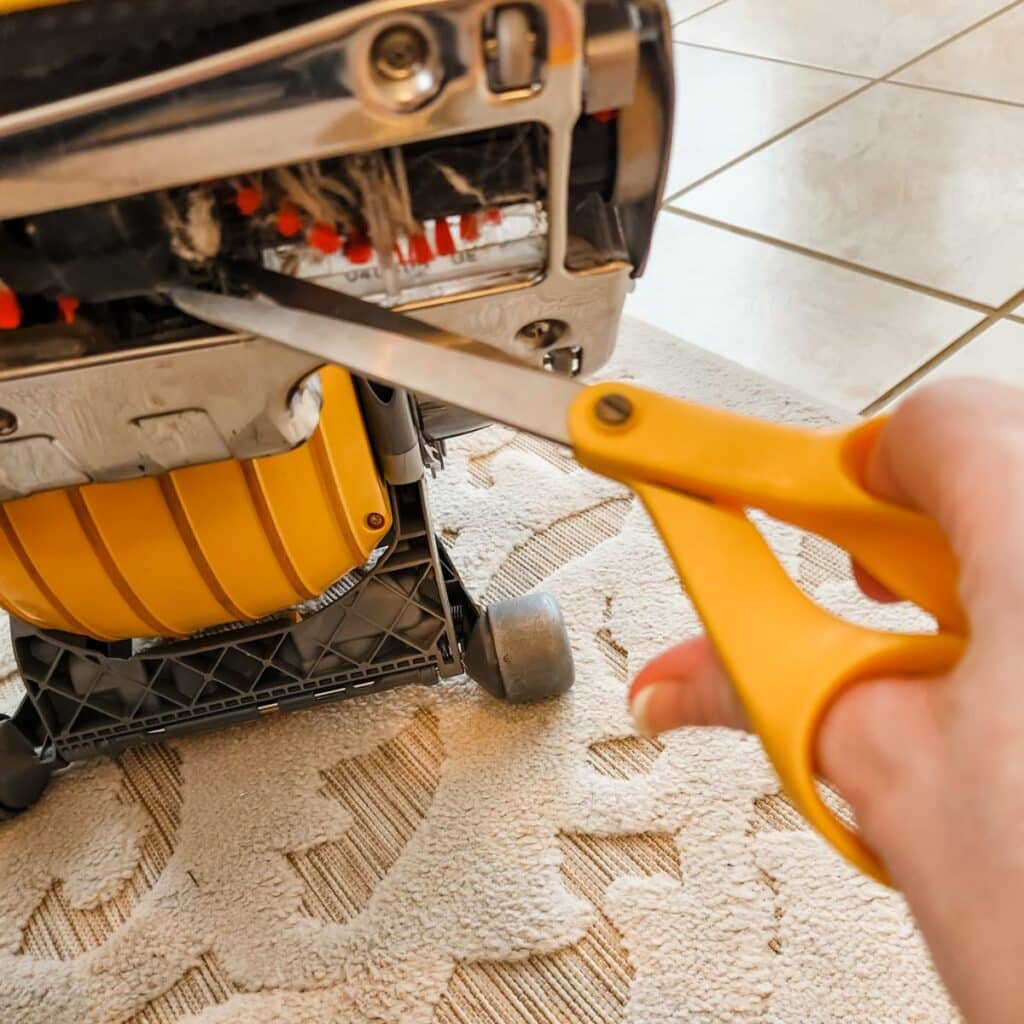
(23, 777)
(519, 650)
(514, 37)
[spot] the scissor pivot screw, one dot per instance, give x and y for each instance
(614, 410)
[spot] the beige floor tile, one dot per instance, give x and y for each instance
(728, 104)
(922, 185)
(839, 335)
(997, 354)
(679, 9)
(985, 62)
(865, 37)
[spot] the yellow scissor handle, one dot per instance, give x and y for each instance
(810, 478)
(787, 657)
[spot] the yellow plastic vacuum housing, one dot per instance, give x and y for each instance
(196, 547)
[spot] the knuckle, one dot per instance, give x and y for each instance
(967, 436)
(965, 410)
(958, 414)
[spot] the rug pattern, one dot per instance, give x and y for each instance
(430, 856)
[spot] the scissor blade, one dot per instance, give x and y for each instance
(510, 393)
(315, 298)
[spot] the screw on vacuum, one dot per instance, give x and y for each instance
(399, 52)
(542, 333)
(8, 423)
(375, 521)
(614, 410)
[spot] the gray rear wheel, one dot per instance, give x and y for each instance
(519, 650)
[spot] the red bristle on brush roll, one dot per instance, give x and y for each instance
(443, 241)
(68, 306)
(324, 238)
(10, 311)
(289, 221)
(419, 249)
(248, 200)
(358, 248)
(469, 228)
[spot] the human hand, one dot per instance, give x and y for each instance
(933, 769)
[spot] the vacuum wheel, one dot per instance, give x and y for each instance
(514, 37)
(23, 777)
(519, 650)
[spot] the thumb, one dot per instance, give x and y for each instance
(865, 742)
(686, 685)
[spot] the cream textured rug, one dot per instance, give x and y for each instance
(431, 856)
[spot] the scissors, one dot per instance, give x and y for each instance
(696, 470)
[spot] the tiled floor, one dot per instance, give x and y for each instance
(994, 353)
(845, 204)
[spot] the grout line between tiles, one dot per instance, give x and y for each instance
(772, 60)
(697, 14)
(887, 80)
(940, 357)
(953, 38)
(868, 84)
(957, 93)
(925, 368)
(835, 261)
(770, 141)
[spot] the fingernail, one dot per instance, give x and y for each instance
(639, 708)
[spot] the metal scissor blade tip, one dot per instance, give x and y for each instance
(518, 395)
(221, 310)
